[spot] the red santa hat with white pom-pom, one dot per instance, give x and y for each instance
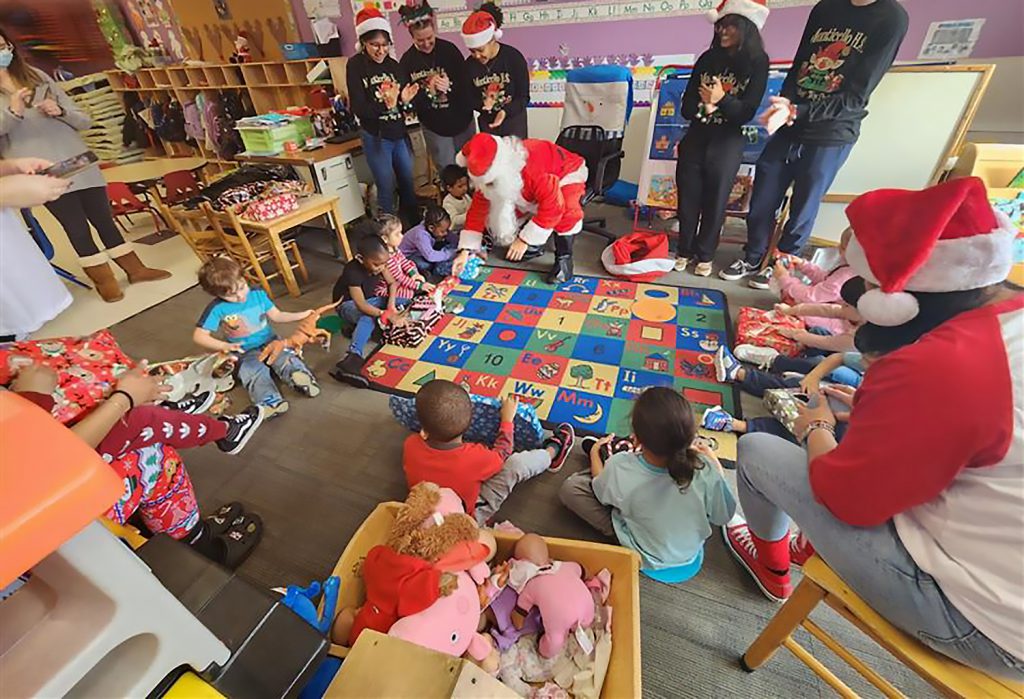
(371, 19)
(483, 156)
(478, 29)
(754, 10)
(941, 239)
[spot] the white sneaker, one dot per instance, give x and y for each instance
(681, 263)
(702, 269)
(752, 354)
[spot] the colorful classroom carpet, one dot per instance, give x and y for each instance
(579, 353)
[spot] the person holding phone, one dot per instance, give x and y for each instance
(31, 294)
(38, 120)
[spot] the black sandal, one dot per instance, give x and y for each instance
(219, 522)
(241, 538)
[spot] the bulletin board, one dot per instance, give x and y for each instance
(210, 27)
(667, 128)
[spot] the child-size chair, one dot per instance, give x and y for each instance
(180, 186)
(821, 584)
(124, 202)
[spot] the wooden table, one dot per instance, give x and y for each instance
(309, 208)
(149, 171)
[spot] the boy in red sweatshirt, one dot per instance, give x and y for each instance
(482, 476)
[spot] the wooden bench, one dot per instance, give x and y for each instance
(820, 583)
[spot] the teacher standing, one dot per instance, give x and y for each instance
(439, 68)
(499, 75)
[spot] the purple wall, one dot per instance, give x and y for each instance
(1002, 35)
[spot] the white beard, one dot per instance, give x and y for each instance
(504, 191)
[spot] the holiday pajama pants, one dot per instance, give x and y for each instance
(142, 450)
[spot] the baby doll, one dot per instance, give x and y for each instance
(556, 588)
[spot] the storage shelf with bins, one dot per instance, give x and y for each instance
(270, 86)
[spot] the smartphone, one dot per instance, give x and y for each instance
(41, 93)
(71, 166)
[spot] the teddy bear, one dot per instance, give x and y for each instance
(431, 541)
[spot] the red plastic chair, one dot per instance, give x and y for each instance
(124, 202)
(179, 186)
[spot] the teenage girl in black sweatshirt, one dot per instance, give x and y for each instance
(722, 95)
(381, 94)
(499, 75)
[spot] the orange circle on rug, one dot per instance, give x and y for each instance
(653, 310)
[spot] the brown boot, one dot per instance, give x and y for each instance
(137, 271)
(106, 285)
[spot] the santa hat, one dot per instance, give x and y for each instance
(944, 238)
(754, 10)
(834, 51)
(479, 155)
(371, 19)
(478, 29)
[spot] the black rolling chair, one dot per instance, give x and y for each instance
(603, 156)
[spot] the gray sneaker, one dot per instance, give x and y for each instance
(737, 270)
(761, 280)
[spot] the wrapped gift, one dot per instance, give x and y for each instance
(271, 207)
(484, 423)
(87, 368)
(760, 328)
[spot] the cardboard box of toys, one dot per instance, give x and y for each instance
(623, 675)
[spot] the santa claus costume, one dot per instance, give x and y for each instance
(526, 190)
(919, 507)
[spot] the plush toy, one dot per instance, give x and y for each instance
(302, 601)
(242, 52)
(556, 588)
(418, 564)
(306, 332)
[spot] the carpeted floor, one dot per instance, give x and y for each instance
(315, 473)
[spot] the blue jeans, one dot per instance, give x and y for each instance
(811, 170)
(773, 486)
(390, 161)
(257, 379)
(365, 324)
(756, 382)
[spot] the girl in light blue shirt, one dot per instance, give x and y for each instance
(661, 499)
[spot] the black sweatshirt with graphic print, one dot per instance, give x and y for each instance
(444, 113)
(504, 83)
(744, 81)
(843, 54)
(374, 93)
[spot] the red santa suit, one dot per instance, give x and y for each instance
(935, 440)
(517, 179)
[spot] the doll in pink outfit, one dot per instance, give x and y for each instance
(556, 588)
(805, 300)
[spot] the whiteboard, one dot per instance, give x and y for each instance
(916, 118)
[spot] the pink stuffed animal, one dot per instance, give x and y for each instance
(560, 594)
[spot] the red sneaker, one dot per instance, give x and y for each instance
(739, 542)
(563, 437)
(800, 550)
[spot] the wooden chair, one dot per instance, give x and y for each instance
(194, 227)
(820, 583)
(254, 250)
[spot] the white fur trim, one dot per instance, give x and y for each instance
(888, 310)
(470, 240)
(577, 176)
(534, 234)
(576, 228)
(754, 11)
(120, 250)
(460, 159)
(475, 41)
(954, 265)
(712, 16)
(652, 265)
(96, 260)
(506, 157)
(373, 24)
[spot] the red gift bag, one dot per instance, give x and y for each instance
(761, 328)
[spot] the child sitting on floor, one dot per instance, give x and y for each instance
(483, 477)
(817, 339)
(243, 316)
(408, 280)
(455, 180)
(825, 286)
(431, 245)
(662, 500)
(361, 305)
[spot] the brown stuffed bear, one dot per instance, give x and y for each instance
(417, 563)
